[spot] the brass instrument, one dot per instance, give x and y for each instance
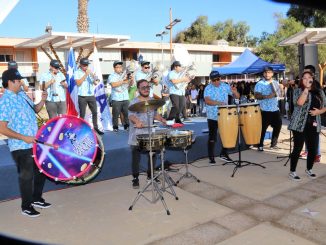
(190, 72)
(130, 69)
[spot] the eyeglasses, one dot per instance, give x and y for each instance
(146, 67)
(145, 88)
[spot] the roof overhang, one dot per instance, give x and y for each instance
(307, 36)
(65, 40)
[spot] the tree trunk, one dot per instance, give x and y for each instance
(82, 19)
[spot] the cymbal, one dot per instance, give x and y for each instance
(142, 106)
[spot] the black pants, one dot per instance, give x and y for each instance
(31, 181)
(274, 119)
(178, 104)
(212, 138)
(83, 101)
(117, 108)
(135, 154)
(310, 136)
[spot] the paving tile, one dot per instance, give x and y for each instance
(263, 212)
(205, 234)
(195, 187)
(283, 202)
(236, 201)
(302, 195)
(305, 227)
(318, 187)
(213, 194)
(236, 222)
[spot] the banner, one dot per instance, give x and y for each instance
(72, 91)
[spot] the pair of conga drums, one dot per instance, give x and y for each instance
(249, 116)
(68, 150)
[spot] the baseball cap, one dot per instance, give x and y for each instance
(176, 63)
(84, 61)
(12, 64)
(214, 75)
(11, 74)
(268, 68)
(117, 62)
(144, 63)
(55, 64)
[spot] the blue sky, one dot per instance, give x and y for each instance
(139, 19)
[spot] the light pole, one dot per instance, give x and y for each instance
(161, 34)
(169, 27)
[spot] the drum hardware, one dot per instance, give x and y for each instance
(56, 147)
(157, 193)
(239, 163)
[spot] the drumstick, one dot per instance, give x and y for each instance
(56, 147)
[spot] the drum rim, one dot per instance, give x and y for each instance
(35, 146)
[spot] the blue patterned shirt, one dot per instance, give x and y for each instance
(218, 93)
(87, 86)
(56, 92)
(119, 93)
(20, 117)
(172, 87)
(265, 88)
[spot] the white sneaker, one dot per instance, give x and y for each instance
(294, 176)
(310, 174)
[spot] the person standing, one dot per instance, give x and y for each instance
(267, 98)
(54, 82)
(177, 86)
(138, 125)
(86, 82)
(18, 122)
(216, 94)
(309, 103)
(145, 73)
(119, 96)
(193, 100)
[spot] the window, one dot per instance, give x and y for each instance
(216, 58)
(5, 57)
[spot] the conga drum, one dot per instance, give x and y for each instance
(67, 149)
(228, 125)
(250, 120)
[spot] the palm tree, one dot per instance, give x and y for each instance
(82, 19)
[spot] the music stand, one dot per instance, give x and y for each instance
(157, 193)
(239, 163)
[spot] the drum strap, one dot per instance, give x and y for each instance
(33, 109)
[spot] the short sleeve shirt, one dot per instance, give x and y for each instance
(265, 88)
(20, 117)
(173, 89)
(56, 92)
(119, 93)
(218, 93)
(87, 86)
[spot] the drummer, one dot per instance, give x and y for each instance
(138, 125)
(216, 94)
(18, 123)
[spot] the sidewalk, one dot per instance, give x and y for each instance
(256, 206)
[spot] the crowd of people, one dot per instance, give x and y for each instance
(302, 101)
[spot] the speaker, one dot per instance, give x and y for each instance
(308, 55)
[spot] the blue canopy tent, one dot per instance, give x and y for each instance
(247, 63)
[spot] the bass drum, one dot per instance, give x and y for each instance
(67, 148)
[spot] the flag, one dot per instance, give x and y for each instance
(104, 115)
(72, 91)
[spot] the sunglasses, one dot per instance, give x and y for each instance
(146, 67)
(145, 88)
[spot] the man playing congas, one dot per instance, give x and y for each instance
(18, 123)
(216, 94)
(138, 125)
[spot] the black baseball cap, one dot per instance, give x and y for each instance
(84, 61)
(268, 68)
(117, 62)
(11, 74)
(12, 64)
(144, 63)
(214, 75)
(55, 64)
(176, 63)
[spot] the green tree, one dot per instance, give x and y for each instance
(309, 17)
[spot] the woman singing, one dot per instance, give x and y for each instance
(309, 103)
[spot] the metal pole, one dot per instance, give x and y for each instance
(162, 52)
(170, 34)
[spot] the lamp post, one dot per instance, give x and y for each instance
(161, 34)
(169, 27)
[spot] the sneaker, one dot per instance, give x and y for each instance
(31, 212)
(275, 147)
(98, 131)
(260, 148)
(135, 183)
(41, 204)
(115, 130)
(310, 174)
(317, 159)
(294, 176)
(303, 155)
(212, 161)
(126, 128)
(225, 157)
(156, 180)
